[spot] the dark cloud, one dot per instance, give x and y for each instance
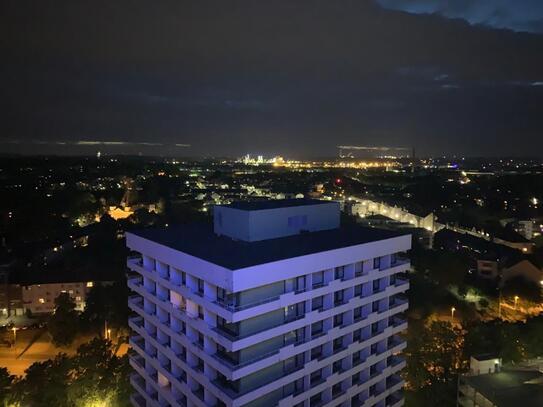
(518, 15)
(289, 77)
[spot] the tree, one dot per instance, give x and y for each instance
(44, 384)
(526, 290)
(93, 376)
(6, 381)
(99, 374)
(434, 360)
(63, 324)
(106, 303)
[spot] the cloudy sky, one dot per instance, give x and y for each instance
(274, 77)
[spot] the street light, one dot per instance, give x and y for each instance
(14, 329)
(516, 301)
(452, 314)
(108, 334)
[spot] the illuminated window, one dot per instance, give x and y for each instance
(90, 284)
(42, 301)
(78, 298)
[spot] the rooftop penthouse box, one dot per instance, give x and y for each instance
(256, 221)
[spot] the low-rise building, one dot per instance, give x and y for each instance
(40, 298)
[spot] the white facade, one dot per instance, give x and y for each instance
(313, 330)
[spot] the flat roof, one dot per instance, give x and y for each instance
(200, 241)
(274, 204)
(510, 388)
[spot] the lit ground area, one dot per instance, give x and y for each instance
(34, 345)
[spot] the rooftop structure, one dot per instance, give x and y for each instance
(255, 221)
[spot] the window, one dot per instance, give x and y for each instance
(229, 328)
(316, 352)
(316, 377)
(297, 336)
(315, 400)
(393, 258)
(373, 349)
(336, 366)
(375, 286)
(375, 306)
(200, 286)
(318, 279)
(294, 311)
(338, 344)
(317, 303)
(357, 335)
(291, 364)
(338, 320)
(340, 273)
(90, 284)
(393, 279)
(41, 301)
(336, 389)
(357, 313)
(358, 290)
(299, 284)
(338, 297)
(355, 379)
(316, 328)
(221, 294)
(376, 262)
(373, 371)
(356, 358)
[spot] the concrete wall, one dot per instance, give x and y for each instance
(273, 223)
(231, 222)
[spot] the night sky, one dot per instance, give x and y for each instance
(291, 77)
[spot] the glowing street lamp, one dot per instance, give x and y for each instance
(452, 314)
(516, 301)
(14, 329)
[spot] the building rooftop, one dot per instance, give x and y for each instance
(200, 241)
(510, 388)
(274, 204)
(486, 356)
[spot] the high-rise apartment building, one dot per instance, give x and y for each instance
(276, 304)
